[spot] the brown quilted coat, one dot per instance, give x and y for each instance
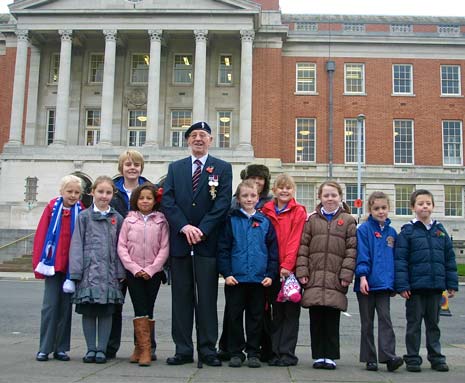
(327, 254)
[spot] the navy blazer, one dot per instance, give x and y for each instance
(183, 207)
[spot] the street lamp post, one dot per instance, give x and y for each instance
(360, 119)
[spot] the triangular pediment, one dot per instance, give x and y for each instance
(90, 6)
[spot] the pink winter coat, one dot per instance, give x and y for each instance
(144, 245)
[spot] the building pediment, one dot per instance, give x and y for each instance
(132, 6)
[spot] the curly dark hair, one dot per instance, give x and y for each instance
(138, 190)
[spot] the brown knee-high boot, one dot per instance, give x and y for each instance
(142, 329)
(134, 358)
(152, 338)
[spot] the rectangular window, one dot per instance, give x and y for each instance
(354, 78)
(401, 28)
(353, 27)
(137, 121)
(225, 70)
(403, 142)
(452, 142)
(305, 77)
(352, 195)
(54, 68)
(30, 194)
(50, 126)
(402, 79)
(453, 201)
(224, 129)
(450, 80)
(306, 26)
(305, 194)
(351, 141)
(96, 67)
(305, 139)
(93, 127)
(140, 68)
(180, 122)
(183, 69)
(449, 29)
(403, 193)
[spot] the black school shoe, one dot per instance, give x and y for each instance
(394, 363)
(179, 359)
(413, 367)
(41, 357)
(372, 366)
(442, 367)
(61, 355)
(89, 357)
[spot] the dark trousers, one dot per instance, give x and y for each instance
(116, 325)
(367, 304)
(55, 320)
(143, 295)
(285, 326)
(182, 293)
(248, 298)
(324, 332)
(417, 308)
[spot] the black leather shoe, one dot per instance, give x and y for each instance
(177, 360)
(61, 356)
(41, 357)
(372, 366)
(319, 365)
(89, 357)
(224, 355)
(394, 363)
(211, 360)
(442, 367)
(100, 357)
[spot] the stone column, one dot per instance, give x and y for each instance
(108, 88)
(198, 112)
(32, 96)
(245, 119)
(64, 80)
(19, 85)
(153, 134)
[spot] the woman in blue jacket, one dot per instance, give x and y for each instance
(248, 261)
(374, 284)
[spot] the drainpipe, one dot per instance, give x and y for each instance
(330, 68)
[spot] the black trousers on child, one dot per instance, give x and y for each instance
(248, 298)
(421, 307)
(324, 332)
(367, 304)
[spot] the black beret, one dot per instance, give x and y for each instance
(198, 126)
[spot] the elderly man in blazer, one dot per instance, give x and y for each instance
(196, 200)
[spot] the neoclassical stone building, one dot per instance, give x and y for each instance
(84, 80)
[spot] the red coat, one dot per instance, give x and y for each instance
(288, 226)
(62, 253)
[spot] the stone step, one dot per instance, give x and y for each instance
(21, 263)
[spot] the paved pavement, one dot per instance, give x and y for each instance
(18, 348)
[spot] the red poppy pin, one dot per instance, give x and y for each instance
(340, 222)
(255, 224)
(378, 234)
(209, 169)
(113, 221)
(439, 233)
(66, 213)
(159, 195)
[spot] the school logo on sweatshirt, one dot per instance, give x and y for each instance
(390, 241)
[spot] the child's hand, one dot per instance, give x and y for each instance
(303, 280)
(140, 274)
(267, 282)
(284, 272)
(231, 281)
(451, 293)
(405, 294)
(344, 283)
(145, 276)
(364, 288)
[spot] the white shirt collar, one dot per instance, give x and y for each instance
(97, 210)
(428, 226)
(202, 159)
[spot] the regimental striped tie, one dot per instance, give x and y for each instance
(196, 175)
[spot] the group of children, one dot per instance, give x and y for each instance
(266, 240)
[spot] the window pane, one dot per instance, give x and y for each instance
(183, 69)
(140, 68)
(453, 201)
(224, 129)
(305, 195)
(137, 121)
(305, 140)
(54, 68)
(450, 80)
(403, 193)
(93, 127)
(351, 195)
(403, 142)
(50, 126)
(306, 77)
(225, 70)
(96, 68)
(452, 142)
(351, 137)
(354, 78)
(180, 122)
(402, 79)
